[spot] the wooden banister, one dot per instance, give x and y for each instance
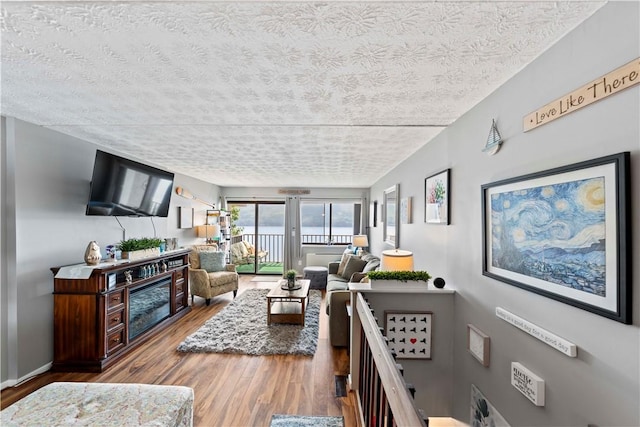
(383, 395)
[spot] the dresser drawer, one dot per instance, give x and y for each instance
(179, 286)
(115, 299)
(115, 319)
(115, 341)
(179, 274)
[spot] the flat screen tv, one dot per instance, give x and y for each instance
(122, 187)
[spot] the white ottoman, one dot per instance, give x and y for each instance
(102, 404)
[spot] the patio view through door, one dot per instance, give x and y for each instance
(257, 227)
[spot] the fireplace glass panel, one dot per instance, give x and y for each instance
(148, 306)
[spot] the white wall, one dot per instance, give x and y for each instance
(51, 186)
(602, 385)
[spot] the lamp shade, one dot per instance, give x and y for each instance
(208, 231)
(397, 260)
(360, 241)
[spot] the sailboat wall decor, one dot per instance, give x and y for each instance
(493, 140)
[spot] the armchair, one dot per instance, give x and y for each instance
(210, 284)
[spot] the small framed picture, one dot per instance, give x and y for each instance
(185, 217)
(409, 333)
(478, 344)
(436, 198)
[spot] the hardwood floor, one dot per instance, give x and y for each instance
(230, 390)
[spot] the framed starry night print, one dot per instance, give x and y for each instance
(409, 333)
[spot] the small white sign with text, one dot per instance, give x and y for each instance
(560, 344)
(527, 383)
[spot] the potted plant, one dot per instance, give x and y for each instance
(380, 278)
(291, 278)
(145, 247)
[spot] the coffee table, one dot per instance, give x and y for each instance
(287, 306)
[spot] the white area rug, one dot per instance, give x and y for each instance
(241, 327)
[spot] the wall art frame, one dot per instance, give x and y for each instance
(564, 233)
(409, 333)
(185, 217)
(436, 198)
(391, 218)
(478, 344)
(406, 206)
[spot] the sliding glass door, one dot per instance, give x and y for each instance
(257, 237)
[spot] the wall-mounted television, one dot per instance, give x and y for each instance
(122, 187)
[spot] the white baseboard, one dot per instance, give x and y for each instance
(13, 383)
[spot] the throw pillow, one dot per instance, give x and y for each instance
(212, 261)
(371, 265)
(354, 265)
(343, 262)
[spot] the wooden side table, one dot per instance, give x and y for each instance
(285, 306)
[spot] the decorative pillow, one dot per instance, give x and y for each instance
(194, 255)
(354, 265)
(212, 261)
(371, 265)
(343, 262)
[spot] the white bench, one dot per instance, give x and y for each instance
(102, 404)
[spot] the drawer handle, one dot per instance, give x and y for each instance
(115, 339)
(115, 320)
(116, 298)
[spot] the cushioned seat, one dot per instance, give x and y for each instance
(101, 404)
(209, 276)
(245, 253)
(317, 275)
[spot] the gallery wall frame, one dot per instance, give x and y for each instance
(564, 233)
(408, 333)
(391, 218)
(436, 198)
(478, 344)
(406, 206)
(185, 217)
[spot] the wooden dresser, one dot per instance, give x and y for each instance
(99, 317)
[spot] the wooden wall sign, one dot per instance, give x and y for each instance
(622, 78)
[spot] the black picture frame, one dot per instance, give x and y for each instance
(437, 202)
(564, 233)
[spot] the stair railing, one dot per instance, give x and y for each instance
(384, 398)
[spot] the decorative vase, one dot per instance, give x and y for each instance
(439, 282)
(92, 254)
(291, 283)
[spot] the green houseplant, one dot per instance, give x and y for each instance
(140, 248)
(291, 278)
(399, 276)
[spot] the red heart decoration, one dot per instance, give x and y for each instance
(413, 340)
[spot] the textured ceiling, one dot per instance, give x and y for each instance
(297, 94)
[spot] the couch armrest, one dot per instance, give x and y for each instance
(339, 321)
(230, 267)
(333, 267)
(198, 280)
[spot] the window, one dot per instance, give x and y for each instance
(328, 222)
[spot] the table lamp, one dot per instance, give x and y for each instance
(397, 260)
(209, 232)
(360, 241)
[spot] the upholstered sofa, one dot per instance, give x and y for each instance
(207, 283)
(245, 253)
(351, 268)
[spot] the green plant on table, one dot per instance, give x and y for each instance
(403, 276)
(130, 245)
(291, 274)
